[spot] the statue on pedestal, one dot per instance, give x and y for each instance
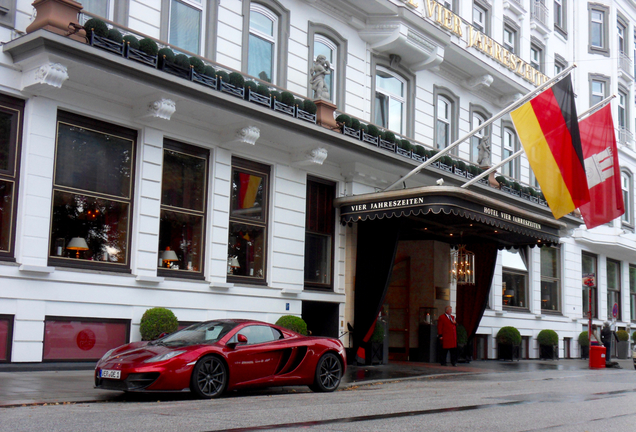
(318, 71)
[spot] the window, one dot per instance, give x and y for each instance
(598, 29)
(323, 40)
(445, 118)
(599, 85)
(450, 5)
(622, 109)
(319, 233)
(481, 137)
(536, 56)
(560, 16)
(390, 100)
(628, 200)
(620, 33)
(590, 288)
(11, 118)
(185, 27)
(247, 245)
(510, 147)
(515, 278)
(481, 18)
(510, 39)
(550, 279)
(6, 337)
(92, 194)
(632, 291)
(613, 288)
(559, 64)
(97, 7)
(260, 334)
(266, 42)
(183, 210)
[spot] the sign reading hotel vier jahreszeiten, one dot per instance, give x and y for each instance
(446, 19)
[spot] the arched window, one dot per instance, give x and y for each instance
(390, 100)
(323, 40)
(326, 47)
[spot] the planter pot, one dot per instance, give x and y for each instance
(351, 132)
(106, 44)
(585, 352)
(204, 79)
(140, 56)
(508, 352)
(260, 99)
(232, 89)
(548, 352)
(325, 114)
(623, 349)
(444, 167)
(387, 145)
(283, 108)
(374, 353)
(465, 353)
(304, 115)
(370, 139)
(174, 69)
(402, 152)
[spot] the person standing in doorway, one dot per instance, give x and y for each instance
(447, 334)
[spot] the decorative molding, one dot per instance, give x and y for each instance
(314, 156)
(53, 74)
(479, 82)
(149, 279)
(507, 99)
(248, 135)
(221, 286)
(161, 108)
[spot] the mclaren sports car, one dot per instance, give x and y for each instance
(212, 357)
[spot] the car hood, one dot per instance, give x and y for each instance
(137, 352)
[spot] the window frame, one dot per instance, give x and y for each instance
(526, 278)
(279, 76)
(198, 152)
(329, 224)
(442, 92)
(622, 107)
(402, 99)
(551, 279)
(593, 288)
(15, 107)
(627, 189)
(605, 80)
(248, 166)
(484, 25)
(121, 132)
(539, 48)
(479, 111)
(616, 292)
(209, 25)
(512, 168)
(339, 69)
(562, 26)
(512, 28)
(560, 64)
(603, 47)
(621, 41)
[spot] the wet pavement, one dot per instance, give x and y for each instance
(64, 383)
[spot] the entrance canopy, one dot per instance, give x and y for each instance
(453, 215)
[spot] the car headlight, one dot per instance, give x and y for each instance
(105, 356)
(163, 357)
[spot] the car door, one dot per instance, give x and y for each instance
(257, 359)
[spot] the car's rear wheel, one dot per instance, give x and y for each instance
(328, 373)
(209, 377)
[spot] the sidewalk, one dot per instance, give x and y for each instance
(73, 383)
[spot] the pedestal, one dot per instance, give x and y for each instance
(55, 16)
(324, 114)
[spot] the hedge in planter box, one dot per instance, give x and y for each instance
(293, 323)
(157, 321)
(508, 341)
(584, 343)
(548, 344)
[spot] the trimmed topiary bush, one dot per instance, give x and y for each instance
(96, 26)
(344, 119)
(634, 337)
(461, 165)
(263, 90)
(276, 95)
(298, 103)
(583, 339)
(148, 46)
(223, 76)
(364, 128)
(462, 335)
(156, 321)
(237, 80)
(355, 123)
(419, 150)
(115, 35)
(251, 85)
(309, 106)
(548, 338)
(378, 333)
(182, 60)
(287, 98)
(167, 53)
(132, 41)
(405, 144)
(388, 136)
(197, 64)
(293, 323)
(502, 181)
(508, 336)
(374, 131)
(622, 335)
(209, 71)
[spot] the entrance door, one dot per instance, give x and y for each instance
(398, 300)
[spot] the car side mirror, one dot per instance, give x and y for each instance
(239, 339)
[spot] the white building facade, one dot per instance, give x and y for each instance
(110, 163)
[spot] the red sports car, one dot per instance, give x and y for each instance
(214, 356)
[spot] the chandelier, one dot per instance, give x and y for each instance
(462, 266)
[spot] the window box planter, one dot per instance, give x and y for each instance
(510, 190)
(140, 56)
(542, 202)
(434, 164)
(204, 79)
(232, 89)
(417, 157)
(528, 197)
(387, 145)
(106, 44)
(284, 108)
(483, 180)
(402, 152)
(351, 132)
(304, 115)
(258, 98)
(459, 172)
(444, 167)
(370, 139)
(174, 69)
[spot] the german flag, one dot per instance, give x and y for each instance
(548, 129)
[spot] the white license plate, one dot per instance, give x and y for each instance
(112, 374)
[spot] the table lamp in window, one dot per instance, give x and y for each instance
(168, 257)
(77, 244)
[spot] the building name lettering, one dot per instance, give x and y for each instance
(445, 18)
(387, 204)
(508, 217)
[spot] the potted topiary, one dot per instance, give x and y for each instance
(508, 342)
(404, 148)
(623, 344)
(343, 120)
(179, 65)
(145, 52)
(464, 353)
(371, 135)
(234, 85)
(459, 168)
(166, 54)
(293, 323)
(98, 35)
(446, 163)
(548, 344)
(387, 141)
(376, 344)
(418, 153)
(156, 322)
(252, 93)
(285, 103)
(306, 110)
(584, 343)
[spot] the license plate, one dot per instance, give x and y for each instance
(112, 374)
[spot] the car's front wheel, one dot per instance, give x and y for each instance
(328, 373)
(209, 377)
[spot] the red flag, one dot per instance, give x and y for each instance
(602, 169)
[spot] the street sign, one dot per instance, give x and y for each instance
(615, 310)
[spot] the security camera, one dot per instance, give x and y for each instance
(440, 182)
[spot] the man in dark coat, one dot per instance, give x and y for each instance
(606, 338)
(447, 333)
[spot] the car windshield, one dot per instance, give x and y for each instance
(204, 333)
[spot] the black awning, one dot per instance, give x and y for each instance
(449, 210)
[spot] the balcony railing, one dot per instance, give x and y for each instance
(625, 64)
(625, 137)
(539, 11)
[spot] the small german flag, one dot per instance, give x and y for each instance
(548, 129)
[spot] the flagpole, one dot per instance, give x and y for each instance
(505, 111)
(590, 111)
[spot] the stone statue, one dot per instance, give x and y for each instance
(483, 155)
(318, 71)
